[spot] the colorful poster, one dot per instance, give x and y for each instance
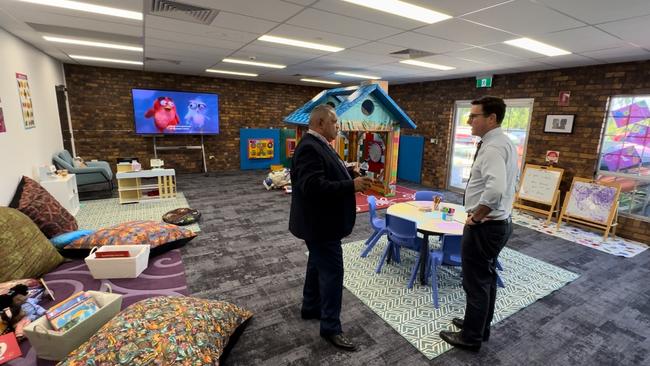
(631, 114)
(2, 119)
(260, 148)
(291, 146)
(25, 101)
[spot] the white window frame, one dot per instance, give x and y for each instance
(637, 178)
(518, 102)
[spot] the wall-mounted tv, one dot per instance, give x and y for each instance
(175, 112)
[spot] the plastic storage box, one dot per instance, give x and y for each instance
(125, 267)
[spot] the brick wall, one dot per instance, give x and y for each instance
(431, 104)
(103, 125)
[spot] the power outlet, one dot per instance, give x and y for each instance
(210, 157)
(434, 141)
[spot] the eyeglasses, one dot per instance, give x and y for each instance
(471, 116)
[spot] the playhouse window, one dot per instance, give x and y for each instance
(367, 107)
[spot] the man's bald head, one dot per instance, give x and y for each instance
(318, 114)
(323, 120)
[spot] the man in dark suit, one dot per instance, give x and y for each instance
(323, 211)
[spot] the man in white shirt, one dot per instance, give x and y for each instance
(489, 196)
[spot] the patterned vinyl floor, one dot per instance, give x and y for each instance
(97, 214)
(411, 312)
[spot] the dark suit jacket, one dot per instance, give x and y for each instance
(323, 206)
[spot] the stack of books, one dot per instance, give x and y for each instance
(72, 311)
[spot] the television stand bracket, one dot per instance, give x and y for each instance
(201, 147)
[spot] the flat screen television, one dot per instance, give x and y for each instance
(175, 112)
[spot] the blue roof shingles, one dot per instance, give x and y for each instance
(355, 95)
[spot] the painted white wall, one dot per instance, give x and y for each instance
(21, 150)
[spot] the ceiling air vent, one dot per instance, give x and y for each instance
(184, 12)
(411, 53)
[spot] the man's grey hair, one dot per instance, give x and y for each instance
(320, 111)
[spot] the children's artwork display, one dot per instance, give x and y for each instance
(260, 148)
(592, 203)
(3, 128)
(25, 101)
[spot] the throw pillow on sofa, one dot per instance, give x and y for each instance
(163, 331)
(159, 235)
(25, 252)
(46, 212)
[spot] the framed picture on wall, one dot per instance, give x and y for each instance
(559, 123)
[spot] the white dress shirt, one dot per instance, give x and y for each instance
(494, 176)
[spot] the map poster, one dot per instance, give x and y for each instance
(25, 101)
(260, 148)
(3, 128)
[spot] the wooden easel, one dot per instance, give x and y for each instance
(532, 189)
(612, 219)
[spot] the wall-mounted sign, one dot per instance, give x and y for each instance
(552, 157)
(25, 101)
(563, 99)
(484, 81)
(260, 148)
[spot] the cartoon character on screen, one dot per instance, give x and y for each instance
(196, 113)
(163, 113)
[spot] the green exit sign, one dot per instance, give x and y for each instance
(484, 82)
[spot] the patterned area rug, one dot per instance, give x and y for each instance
(98, 214)
(617, 246)
(402, 194)
(411, 312)
(165, 276)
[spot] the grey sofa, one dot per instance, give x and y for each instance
(96, 171)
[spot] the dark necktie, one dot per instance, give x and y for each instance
(478, 147)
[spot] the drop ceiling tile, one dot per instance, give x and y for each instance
(461, 30)
(172, 39)
(568, 60)
(580, 40)
(599, 11)
(249, 53)
(525, 18)
(377, 48)
(274, 10)
(634, 30)
(242, 23)
(514, 51)
(455, 7)
(453, 61)
(190, 32)
(619, 54)
(279, 53)
(311, 35)
(482, 55)
(425, 43)
(329, 22)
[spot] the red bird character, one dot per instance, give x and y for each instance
(163, 113)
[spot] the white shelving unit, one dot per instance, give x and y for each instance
(131, 187)
(64, 190)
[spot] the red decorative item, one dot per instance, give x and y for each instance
(113, 254)
(563, 99)
(9, 349)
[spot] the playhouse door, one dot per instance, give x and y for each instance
(409, 161)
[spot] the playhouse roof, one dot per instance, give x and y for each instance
(349, 97)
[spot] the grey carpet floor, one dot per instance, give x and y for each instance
(246, 255)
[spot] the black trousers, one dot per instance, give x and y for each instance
(480, 247)
(323, 289)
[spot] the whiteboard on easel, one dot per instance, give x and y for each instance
(539, 183)
(592, 201)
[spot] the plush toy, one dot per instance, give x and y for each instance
(163, 113)
(17, 310)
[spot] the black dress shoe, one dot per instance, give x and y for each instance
(458, 323)
(340, 341)
(456, 340)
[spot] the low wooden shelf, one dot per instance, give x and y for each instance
(131, 188)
